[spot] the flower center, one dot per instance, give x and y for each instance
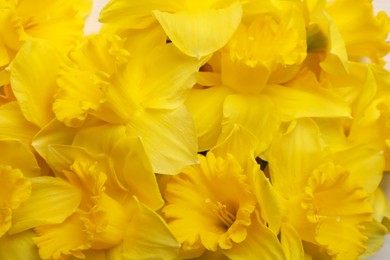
(220, 210)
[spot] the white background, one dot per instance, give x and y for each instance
(92, 26)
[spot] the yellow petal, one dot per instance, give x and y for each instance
(52, 200)
(287, 157)
(291, 243)
(202, 32)
(304, 97)
(365, 164)
(170, 146)
(257, 113)
(205, 106)
(13, 125)
(240, 143)
(33, 75)
(133, 167)
(375, 232)
(169, 75)
(147, 236)
(15, 191)
(67, 238)
(260, 243)
(19, 156)
(18, 246)
(381, 207)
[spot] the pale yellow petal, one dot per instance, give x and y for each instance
(33, 74)
(19, 156)
(52, 200)
(133, 167)
(205, 106)
(291, 243)
(147, 236)
(260, 243)
(18, 246)
(257, 113)
(288, 157)
(13, 125)
(375, 232)
(199, 33)
(169, 145)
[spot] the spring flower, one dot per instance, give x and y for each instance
(213, 206)
(321, 196)
(58, 22)
(197, 28)
(145, 95)
(111, 214)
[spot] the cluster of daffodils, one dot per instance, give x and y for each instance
(207, 129)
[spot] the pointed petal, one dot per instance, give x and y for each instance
(288, 157)
(257, 113)
(205, 106)
(240, 143)
(202, 32)
(375, 232)
(147, 235)
(169, 145)
(52, 200)
(169, 76)
(35, 62)
(19, 156)
(365, 164)
(13, 125)
(268, 199)
(18, 246)
(133, 167)
(309, 101)
(291, 243)
(260, 243)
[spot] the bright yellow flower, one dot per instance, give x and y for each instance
(197, 28)
(58, 22)
(214, 205)
(145, 95)
(115, 213)
(322, 197)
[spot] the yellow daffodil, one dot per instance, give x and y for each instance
(111, 215)
(146, 96)
(213, 206)
(197, 28)
(322, 196)
(58, 22)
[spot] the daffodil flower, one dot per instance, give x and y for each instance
(322, 196)
(214, 206)
(114, 214)
(197, 28)
(146, 96)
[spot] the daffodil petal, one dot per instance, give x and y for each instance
(133, 166)
(172, 75)
(202, 32)
(66, 238)
(18, 246)
(19, 156)
(291, 243)
(147, 236)
(257, 113)
(375, 232)
(365, 164)
(205, 106)
(52, 200)
(176, 142)
(13, 125)
(288, 157)
(260, 243)
(36, 62)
